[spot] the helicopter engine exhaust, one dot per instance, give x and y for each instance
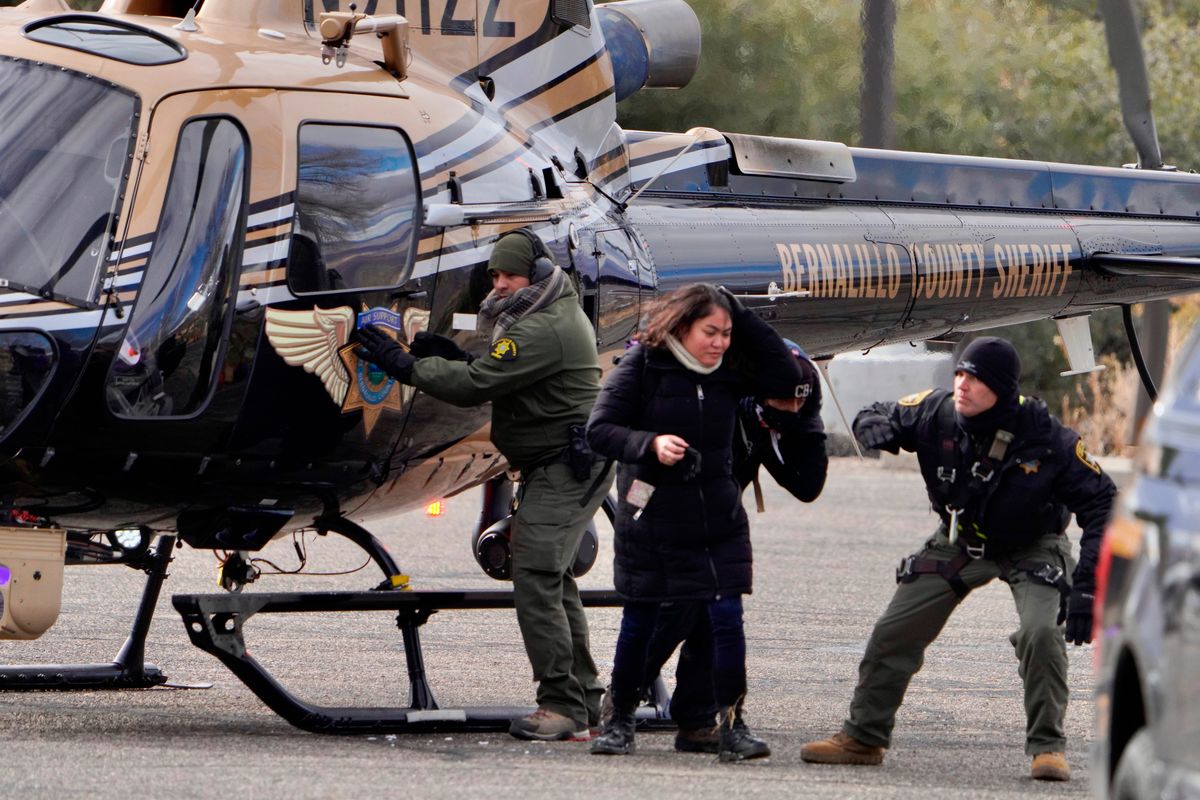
(652, 43)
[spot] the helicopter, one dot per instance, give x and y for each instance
(201, 202)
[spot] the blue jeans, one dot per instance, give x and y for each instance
(712, 665)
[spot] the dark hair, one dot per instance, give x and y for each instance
(674, 312)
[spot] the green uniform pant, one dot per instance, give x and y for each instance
(920, 609)
(548, 527)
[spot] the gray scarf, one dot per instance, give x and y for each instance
(503, 312)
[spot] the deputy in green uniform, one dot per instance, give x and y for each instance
(542, 375)
(1004, 477)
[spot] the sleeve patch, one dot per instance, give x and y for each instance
(504, 350)
(1082, 454)
(914, 399)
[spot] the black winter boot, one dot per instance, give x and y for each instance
(737, 742)
(617, 737)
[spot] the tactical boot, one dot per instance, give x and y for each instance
(698, 740)
(1050, 767)
(841, 749)
(547, 726)
(737, 743)
(617, 737)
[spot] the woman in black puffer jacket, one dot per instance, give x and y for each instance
(668, 413)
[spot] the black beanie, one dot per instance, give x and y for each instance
(786, 376)
(995, 362)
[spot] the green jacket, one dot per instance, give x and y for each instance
(542, 376)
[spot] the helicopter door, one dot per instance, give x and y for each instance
(623, 274)
(350, 225)
(171, 358)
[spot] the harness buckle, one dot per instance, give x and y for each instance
(979, 472)
(905, 569)
(1049, 573)
(976, 551)
(947, 475)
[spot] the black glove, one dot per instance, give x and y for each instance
(426, 344)
(384, 352)
(1077, 612)
(874, 431)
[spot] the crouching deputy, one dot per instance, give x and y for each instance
(542, 375)
(1004, 476)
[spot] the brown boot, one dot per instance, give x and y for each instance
(841, 749)
(1050, 767)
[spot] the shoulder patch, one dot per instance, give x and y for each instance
(504, 350)
(1082, 454)
(914, 399)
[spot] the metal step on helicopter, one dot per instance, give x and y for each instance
(200, 202)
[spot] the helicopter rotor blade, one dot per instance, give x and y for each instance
(1126, 55)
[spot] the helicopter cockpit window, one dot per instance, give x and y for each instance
(67, 140)
(108, 38)
(357, 203)
(170, 359)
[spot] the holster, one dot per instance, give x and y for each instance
(578, 456)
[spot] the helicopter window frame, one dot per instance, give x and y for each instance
(298, 232)
(59, 22)
(50, 287)
(157, 311)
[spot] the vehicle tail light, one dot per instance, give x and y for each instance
(1121, 544)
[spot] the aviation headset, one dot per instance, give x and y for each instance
(543, 264)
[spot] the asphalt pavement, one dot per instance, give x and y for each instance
(823, 574)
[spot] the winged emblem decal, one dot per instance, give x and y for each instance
(311, 339)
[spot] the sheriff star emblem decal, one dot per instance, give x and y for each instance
(1082, 454)
(914, 399)
(504, 350)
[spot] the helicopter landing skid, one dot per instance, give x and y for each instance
(128, 670)
(215, 623)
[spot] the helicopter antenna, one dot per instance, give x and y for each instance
(188, 23)
(823, 366)
(659, 174)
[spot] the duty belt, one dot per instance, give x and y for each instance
(1043, 572)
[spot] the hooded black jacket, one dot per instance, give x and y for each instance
(692, 540)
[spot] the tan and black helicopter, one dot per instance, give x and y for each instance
(201, 202)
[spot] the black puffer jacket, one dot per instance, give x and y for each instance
(692, 541)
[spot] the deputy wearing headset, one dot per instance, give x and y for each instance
(542, 376)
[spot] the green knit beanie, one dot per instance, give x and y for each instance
(513, 254)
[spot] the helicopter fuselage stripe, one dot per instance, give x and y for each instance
(274, 216)
(447, 138)
(568, 112)
(272, 275)
(546, 32)
(553, 83)
(131, 252)
(276, 251)
(689, 161)
(279, 201)
(639, 157)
